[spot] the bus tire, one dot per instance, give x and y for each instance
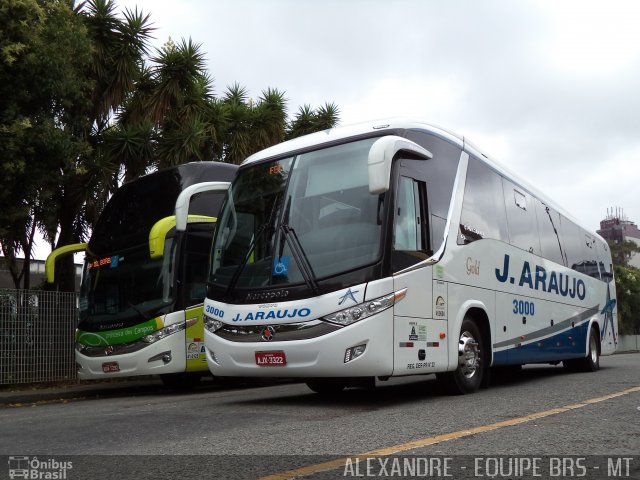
(591, 362)
(326, 386)
(181, 381)
(467, 377)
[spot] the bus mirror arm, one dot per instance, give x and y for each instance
(50, 262)
(182, 203)
(382, 153)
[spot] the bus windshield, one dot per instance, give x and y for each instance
(298, 219)
(126, 286)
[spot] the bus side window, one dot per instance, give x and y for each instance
(196, 261)
(604, 261)
(406, 226)
(549, 227)
(521, 218)
(410, 227)
(573, 244)
(443, 167)
(589, 266)
(483, 214)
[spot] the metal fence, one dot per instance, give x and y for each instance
(36, 336)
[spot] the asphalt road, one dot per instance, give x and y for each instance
(228, 432)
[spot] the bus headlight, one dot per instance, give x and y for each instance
(211, 324)
(363, 310)
(164, 332)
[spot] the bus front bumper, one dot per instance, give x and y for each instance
(166, 355)
(330, 355)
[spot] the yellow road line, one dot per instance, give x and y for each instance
(424, 442)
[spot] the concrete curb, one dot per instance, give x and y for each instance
(17, 396)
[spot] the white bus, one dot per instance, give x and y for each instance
(397, 248)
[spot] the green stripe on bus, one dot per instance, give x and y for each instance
(119, 336)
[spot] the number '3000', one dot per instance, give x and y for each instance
(522, 307)
(214, 311)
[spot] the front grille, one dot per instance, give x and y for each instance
(112, 350)
(282, 333)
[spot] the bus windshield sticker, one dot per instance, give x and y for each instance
(281, 266)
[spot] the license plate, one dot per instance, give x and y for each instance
(109, 367)
(271, 359)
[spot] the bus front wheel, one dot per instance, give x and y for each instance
(467, 377)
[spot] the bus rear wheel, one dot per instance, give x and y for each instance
(467, 377)
(591, 362)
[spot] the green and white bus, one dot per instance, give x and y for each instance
(144, 277)
(397, 248)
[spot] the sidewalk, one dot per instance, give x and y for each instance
(19, 395)
(32, 394)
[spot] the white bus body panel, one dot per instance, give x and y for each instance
(137, 363)
(533, 318)
(418, 346)
(315, 357)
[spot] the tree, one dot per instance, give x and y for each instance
(84, 107)
(117, 46)
(308, 120)
(42, 89)
(628, 299)
(627, 285)
(621, 252)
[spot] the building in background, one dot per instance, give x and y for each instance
(36, 270)
(616, 227)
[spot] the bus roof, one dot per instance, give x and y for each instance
(338, 134)
(335, 135)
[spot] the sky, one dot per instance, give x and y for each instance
(548, 88)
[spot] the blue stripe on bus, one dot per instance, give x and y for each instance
(567, 344)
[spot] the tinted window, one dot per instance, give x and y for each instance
(207, 203)
(549, 230)
(406, 233)
(604, 261)
(521, 218)
(410, 230)
(572, 242)
(440, 174)
(133, 210)
(483, 214)
(589, 264)
(196, 260)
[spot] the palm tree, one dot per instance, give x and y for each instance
(118, 49)
(308, 120)
(236, 138)
(143, 116)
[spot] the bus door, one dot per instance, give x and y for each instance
(417, 347)
(196, 247)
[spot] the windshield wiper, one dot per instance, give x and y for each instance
(297, 251)
(236, 275)
(261, 229)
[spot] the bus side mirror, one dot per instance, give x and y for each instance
(182, 204)
(381, 155)
(159, 231)
(50, 262)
